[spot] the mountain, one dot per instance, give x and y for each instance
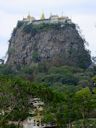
(55, 41)
(52, 85)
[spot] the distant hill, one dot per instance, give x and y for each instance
(55, 43)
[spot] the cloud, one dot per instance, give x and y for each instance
(21, 6)
(88, 29)
(3, 48)
(7, 22)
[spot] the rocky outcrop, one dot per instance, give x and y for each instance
(57, 44)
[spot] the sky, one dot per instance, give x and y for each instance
(82, 12)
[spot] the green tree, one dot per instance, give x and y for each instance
(84, 104)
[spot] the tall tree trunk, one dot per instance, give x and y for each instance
(69, 124)
(83, 123)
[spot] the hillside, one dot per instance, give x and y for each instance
(54, 43)
(65, 106)
(47, 81)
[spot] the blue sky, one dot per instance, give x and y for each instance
(82, 12)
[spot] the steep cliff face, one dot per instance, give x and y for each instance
(57, 44)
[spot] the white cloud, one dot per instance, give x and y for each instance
(3, 49)
(8, 22)
(88, 29)
(20, 6)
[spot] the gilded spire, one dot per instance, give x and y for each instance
(42, 16)
(28, 15)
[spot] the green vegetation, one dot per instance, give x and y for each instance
(19, 24)
(68, 93)
(11, 51)
(84, 58)
(9, 126)
(6, 70)
(33, 29)
(69, 97)
(35, 56)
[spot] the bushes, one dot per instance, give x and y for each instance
(63, 75)
(19, 24)
(9, 126)
(65, 101)
(65, 70)
(29, 29)
(6, 70)
(35, 56)
(65, 105)
(84, 60)
(33, 29)
(11, 51)
(64, 79)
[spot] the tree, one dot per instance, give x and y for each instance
(84, 103)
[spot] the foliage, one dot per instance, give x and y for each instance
(6, 70)
(84, 58)
(63, 74)
(33, 29)
(66, 101)
(35, 56)
(11, 51)
(29, 29)
(19, 24)
(64, 79)
(9, 126)
(94, 78)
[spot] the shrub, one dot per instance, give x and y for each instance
(6, 70)
(30, 29)
(64, 79)
(19, 24)
(35, 56)
(11, 50)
